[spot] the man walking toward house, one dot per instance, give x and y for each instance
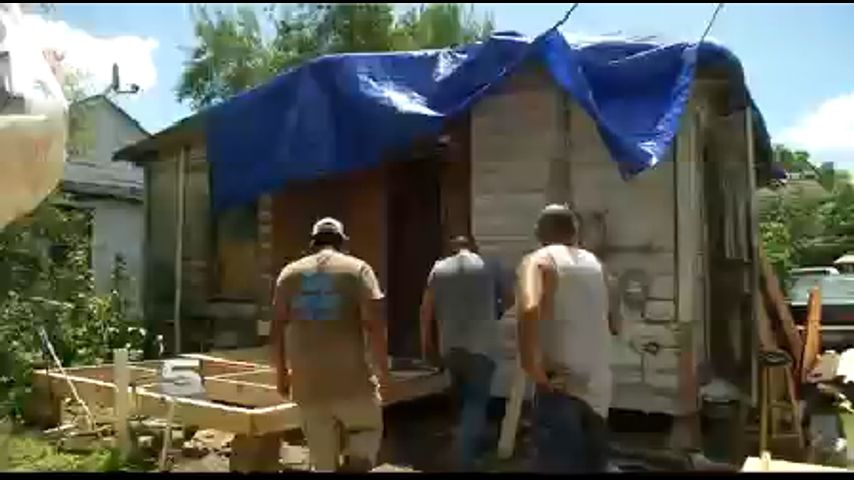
(564, 346)
(461, 296)
(325, 305)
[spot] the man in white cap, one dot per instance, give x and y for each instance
(325, 305)
(564, 346)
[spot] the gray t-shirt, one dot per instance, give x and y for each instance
(464, 289)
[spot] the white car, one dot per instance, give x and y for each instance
(797, 272)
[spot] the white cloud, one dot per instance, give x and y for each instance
(827, 132)
(93, 56)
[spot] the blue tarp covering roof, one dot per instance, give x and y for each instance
(340, 113)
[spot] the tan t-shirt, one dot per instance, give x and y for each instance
(325, 340)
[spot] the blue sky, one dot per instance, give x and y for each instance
(796, 56)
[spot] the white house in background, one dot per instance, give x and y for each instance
(111, 191)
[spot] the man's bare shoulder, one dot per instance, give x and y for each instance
(539, 258)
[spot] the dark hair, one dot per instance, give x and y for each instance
(462, 242)
(557, 224)
(327, 239)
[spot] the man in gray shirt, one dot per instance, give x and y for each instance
(462, 295)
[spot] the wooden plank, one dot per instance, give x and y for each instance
(122, 402)
(812, 341)
(275, 419)
(242, 393)
(199, 413)
(763, 327)
(510, 423)
(755, 464)
(774, 294)
(261, 377)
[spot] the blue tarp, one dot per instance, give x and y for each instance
(340, 113)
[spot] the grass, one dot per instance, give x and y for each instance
(28, 453)
(23, 451)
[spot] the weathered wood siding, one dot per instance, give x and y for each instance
(516, 141)
(531, 145)
(207, 319)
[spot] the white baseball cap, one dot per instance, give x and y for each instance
(328, 225)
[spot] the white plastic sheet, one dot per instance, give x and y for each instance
(33, 120)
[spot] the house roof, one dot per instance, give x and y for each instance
(107, 100)
(338, 113)
(184, 131)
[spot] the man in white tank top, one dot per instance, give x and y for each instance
(564, 346)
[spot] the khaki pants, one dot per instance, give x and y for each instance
(352, 427)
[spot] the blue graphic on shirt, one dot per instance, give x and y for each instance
(317, 298)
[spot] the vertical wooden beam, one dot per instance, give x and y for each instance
(266, 275)
(685, 431)
(121, 377)
(179, 248)
(758, 305)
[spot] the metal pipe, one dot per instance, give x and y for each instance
(179, 249)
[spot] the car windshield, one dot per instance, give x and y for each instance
(833, 287)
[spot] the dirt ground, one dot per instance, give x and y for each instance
(418, 436)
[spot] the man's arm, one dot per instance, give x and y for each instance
(277, 340)
(373, 322)
(508, 297)
(535, 288)
(426, 316)
(613, 303)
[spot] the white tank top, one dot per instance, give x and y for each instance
(574, 336)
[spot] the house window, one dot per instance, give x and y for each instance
(235, 240)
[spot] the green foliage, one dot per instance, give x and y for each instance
(81, 128)
(232, 53)
(25, 452)
(31, 454)
(46, 281)
(802, 229)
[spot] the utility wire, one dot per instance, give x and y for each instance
(566, 16)
(718, 8)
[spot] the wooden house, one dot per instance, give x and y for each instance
(680, 238)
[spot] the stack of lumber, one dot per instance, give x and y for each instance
(778, 332)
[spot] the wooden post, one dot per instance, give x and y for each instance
(121, 377)
(179, 249)
(167, 435)
(255, 454)
(756, 254)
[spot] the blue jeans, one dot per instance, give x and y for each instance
(569, 436)
(471, 382)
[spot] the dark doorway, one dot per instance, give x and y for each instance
(414, 244)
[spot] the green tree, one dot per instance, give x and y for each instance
(46, 282)
(800, 227)
(232, 53)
